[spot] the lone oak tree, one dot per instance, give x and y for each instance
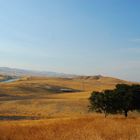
(122, 99)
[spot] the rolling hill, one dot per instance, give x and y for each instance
(40, 107)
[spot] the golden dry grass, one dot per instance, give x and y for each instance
(29, 97)
(37, 84)
(62, 116)
(84, 128)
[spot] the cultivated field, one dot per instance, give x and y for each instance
(35, 108)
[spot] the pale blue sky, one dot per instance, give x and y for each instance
(72, 36)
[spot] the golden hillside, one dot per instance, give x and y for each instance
(38, 108)
(51, 97)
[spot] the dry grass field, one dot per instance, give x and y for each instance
(42, 97)
(84, 128)
(35, 108)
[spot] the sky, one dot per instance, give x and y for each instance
(87, 37)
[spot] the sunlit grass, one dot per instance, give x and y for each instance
(62, 116)
(86, 128)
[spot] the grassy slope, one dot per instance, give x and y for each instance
(65, 115)
(30, 97)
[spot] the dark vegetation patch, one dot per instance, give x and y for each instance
(45, 88)
(19, 118)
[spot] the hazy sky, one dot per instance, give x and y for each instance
(72, 36)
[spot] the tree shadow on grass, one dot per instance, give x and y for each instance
(19, 118)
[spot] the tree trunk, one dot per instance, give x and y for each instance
(105, 114)
(126, 113)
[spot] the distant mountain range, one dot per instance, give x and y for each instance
(22, 72)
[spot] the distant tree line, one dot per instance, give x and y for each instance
(122, 99)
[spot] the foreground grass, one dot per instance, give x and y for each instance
(84, 128)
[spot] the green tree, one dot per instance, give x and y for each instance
(136, 96)
(122, 99)
(125, 98)
(103, 102)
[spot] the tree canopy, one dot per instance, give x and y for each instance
(122, 99)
